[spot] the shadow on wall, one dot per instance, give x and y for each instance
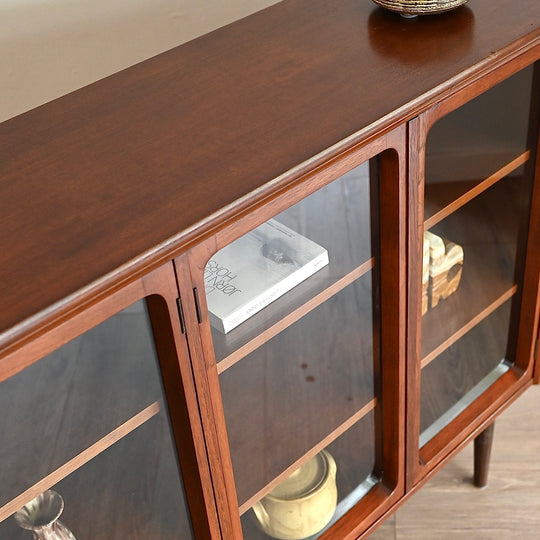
(51, 47)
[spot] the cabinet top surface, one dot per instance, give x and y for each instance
(120, 173)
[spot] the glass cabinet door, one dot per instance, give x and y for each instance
(478, 181)
(295, 315)
(90, 422)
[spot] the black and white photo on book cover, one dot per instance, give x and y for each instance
(258, 268)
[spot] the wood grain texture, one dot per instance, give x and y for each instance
(95, 182)
(415, 241)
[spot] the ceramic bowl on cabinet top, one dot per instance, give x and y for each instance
(411, 8)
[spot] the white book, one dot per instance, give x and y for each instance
(258, 268)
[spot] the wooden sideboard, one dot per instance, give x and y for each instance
(355, 128)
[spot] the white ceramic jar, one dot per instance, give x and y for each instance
(303, 504)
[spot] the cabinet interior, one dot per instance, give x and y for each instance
(88, 416)
(477, 194)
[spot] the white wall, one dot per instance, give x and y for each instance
(51, 47)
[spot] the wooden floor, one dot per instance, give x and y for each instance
(450, 507)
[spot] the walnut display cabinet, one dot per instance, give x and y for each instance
(403, 153)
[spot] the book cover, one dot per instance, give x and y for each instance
(258, 268)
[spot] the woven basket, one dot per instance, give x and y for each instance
(419, 7)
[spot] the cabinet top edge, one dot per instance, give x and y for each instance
(109, 180)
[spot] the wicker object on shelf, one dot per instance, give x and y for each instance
(420, 7)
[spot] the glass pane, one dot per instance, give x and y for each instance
(464, 371)
(476, 210)
(299, 376)
(63, 407)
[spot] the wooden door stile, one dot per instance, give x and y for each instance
(177, 377)
(206, 381)
(417, 133)
(528, 242)
(375, 167)
(529, 315)
(393, 286)
(537, 346)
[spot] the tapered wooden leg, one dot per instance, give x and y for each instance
(482, 453)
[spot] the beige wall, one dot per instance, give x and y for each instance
(51, 47)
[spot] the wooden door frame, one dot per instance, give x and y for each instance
(475, 418)
(391, 146)
(159, 289)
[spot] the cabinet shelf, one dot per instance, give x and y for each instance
(487, 228)
(449, 384)
(442, 198)
(78, 461)
(295, 396)
(330, 438)
(345, 232)
(107, 379)
(356, 475)
(130, 490)
(270, 322)
(469, 325)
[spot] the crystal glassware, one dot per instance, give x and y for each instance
(41, 515)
